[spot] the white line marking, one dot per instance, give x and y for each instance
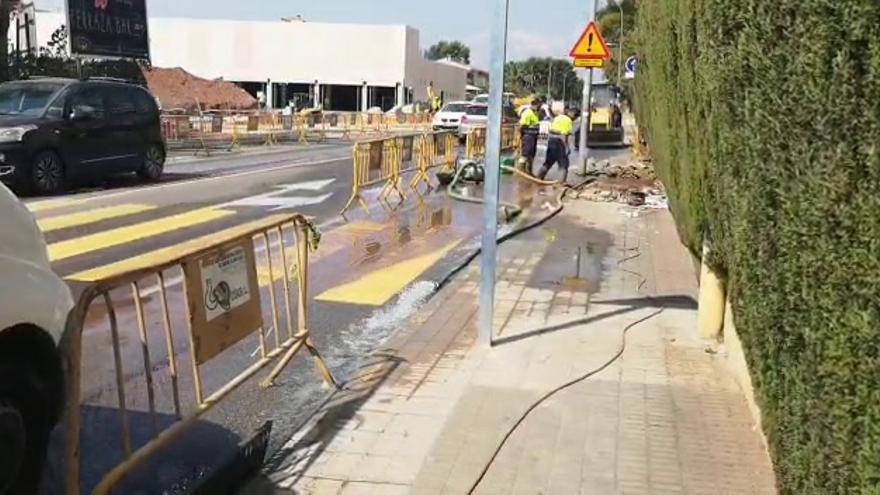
(103, 195)
(276, 201)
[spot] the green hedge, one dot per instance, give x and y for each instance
(764, 121)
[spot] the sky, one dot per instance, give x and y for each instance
(537, 27)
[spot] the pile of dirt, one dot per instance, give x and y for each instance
(633, 183)
(178, 89)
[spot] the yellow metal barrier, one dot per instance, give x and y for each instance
(426, 149)
(510, 138)
(271, 124)
(391, 162)
(475, 144)
(382, 160)
(367, 170)
(433, 150)
(238, 128)
(217, 305)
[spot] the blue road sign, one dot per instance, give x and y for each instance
(630, 64)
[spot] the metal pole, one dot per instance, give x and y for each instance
(620, 43)
(550, 83)
(493, 159)
(585, 106)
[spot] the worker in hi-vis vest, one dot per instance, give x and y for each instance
(433, 99)
(530, 126)
(557, 146)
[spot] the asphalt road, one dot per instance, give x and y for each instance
(369, 274)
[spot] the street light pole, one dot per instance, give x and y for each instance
(488, 256)
(620, 43)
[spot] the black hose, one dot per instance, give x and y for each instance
(577, 380)
(510, 235)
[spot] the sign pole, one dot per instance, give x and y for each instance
(492, 169)
(586, 116)
(586, 108)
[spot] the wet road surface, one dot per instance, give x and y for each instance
(368, 275)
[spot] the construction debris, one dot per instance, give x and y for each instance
(631, 183)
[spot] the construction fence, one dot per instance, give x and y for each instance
(475, 141)
(151, 349)
(207, 132)
(384, 161)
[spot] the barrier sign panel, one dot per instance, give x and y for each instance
(406, 152)
(224, 298)
(253, 123)
(588, 62)
(108, 28)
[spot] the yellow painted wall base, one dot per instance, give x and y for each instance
(710, 317)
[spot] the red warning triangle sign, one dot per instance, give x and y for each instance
(590, 44)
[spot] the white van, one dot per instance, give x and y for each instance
(34, 304)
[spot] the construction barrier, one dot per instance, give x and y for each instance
(385, 160)
(432, 150)
(223, 293)
(475, 144)
(208, 131)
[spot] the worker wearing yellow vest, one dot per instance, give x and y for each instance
(557, 146)
(530, 126)
(433, 99)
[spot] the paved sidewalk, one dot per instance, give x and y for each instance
(425, 414)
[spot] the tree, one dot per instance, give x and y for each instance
(536, 76)
(53, 61)
(453, 50)
(608, 19)
(6, 9)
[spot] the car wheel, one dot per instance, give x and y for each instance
(154, 164)
(25, 426)
(47, 173)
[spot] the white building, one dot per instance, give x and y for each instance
(348, 66)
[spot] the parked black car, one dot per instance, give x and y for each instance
(53, 131)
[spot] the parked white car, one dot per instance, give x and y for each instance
(477, 115)
(34, 304)
(449, 117)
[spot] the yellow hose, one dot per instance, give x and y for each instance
(530, 177)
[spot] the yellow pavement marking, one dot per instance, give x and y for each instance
(130, 233)
(277, 268)
(375, 289)
(91, 216)
(163, 255)
(51, 204)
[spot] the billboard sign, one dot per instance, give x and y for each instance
(108, 28)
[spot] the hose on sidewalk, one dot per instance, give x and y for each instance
(621, 349)
(510, 235)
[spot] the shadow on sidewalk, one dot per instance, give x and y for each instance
(339, 409)
(634, 304)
